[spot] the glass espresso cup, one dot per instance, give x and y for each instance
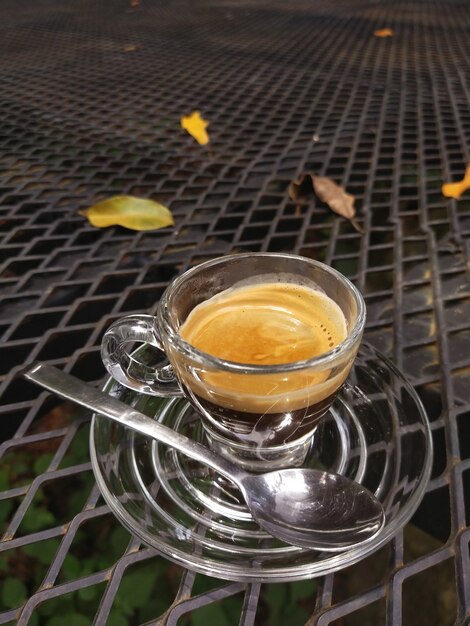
(302, 322)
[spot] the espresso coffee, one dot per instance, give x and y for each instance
(266, 324)
(269, 323)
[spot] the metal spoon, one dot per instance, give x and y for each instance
(303, 507)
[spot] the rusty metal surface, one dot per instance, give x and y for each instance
(91, 97)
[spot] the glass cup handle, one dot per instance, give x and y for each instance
(121, 358)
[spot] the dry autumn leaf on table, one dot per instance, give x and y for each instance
(196, 126)
(383, 32)
(455, 190)
(338, 200)
(129, 212)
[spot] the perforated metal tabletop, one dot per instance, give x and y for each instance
(92, 92)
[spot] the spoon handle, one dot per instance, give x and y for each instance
(71, 388)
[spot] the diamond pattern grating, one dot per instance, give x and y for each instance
(91, 97)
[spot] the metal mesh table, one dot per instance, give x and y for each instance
(92, 93)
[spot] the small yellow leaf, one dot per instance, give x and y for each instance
(383, 32)
(455, 190)
(196, 126)
(129, 212)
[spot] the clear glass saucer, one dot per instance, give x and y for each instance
(376, 432)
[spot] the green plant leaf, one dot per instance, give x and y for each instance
(302, 589)
(88, 566)
(70, 619)
(5, 509)
(14, 593)
(129, 212)
(116, 618)
(49, 608)
(71, 567)
(294, 614)
(276, 597)
(119, 540)
(77, 498)
(123, 605)
(78, 451)
(42, 463)
(43, 551)
(232, 607)
(3, 480)
(158, 606)
(19, 467)
(136, 587)
(88, 593)
(33, 620)
(209, 614)
(36, 519)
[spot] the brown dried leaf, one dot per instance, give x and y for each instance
(455, 190)
(301, 190)
(326, 190)
(334, 196)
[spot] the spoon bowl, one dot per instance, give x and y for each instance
(303, 507)
(312, 508)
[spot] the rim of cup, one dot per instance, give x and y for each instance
(317, 362)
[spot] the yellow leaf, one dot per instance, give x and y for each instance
(129, 212)
(383, 32)
(196, 126)
(455, 190)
